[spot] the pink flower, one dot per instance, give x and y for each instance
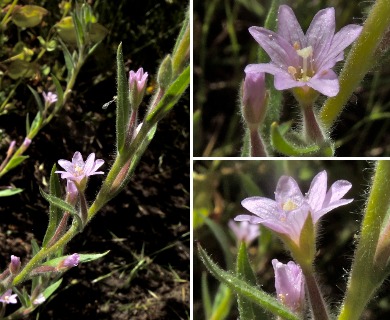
(8, 297)
(69, 262)
(254, 98)
(14, 266)
(288, 212)
(137, 86)
(244, 231)
(290, 285)
(39, 300)
(49, 98)
(78, 171)
(304, 60)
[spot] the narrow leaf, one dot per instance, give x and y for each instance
(22, 297)
(122, 101)
(60, 93)
(15, 161)
(223, 241)
(51, 289)
(69, 62)
(206, 299)
(38, 99)
(62, 205)
(244, 289)
(10, 192)
(54, 211)
(87, 257)
(247, 309)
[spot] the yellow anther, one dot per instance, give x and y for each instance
(296, 45)
(289, 205)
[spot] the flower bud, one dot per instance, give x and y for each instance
(69, 262)
(290, 285)
(137, 86)
(164, 75)
(14, 266)
(71, 192)
(254, 98)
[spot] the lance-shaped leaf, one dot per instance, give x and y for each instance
(10, 192)
(122, 101)
(55, 212)
(83, 258)
(57, 202)
(60, 93)
(247, 309)
(244, 289)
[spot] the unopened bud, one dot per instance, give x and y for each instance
(69, 262)
(14, 266)
(164, 75)
(254, 99)
(137, 86)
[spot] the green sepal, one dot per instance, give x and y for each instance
(164, 74)
(55, 212)
(171, 97)
(10, 192)
(247, 309)
(57, 202)
(244, 289)
(122, 101)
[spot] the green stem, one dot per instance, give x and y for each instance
(365, 277)
(257, 145)
(360, 60)
(43, 253)
(317, 302)
(312, 130)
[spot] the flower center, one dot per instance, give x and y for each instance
(289, 205)
(78, 170)
(304, 72)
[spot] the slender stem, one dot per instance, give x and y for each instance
(360, 60)
(312, 130)
(43, 253)
(317, 302)
(365, 277)
(257, 145)
(9, 12)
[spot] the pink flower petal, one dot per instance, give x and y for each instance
(289, 28)
(320, 33)
(280, 51)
